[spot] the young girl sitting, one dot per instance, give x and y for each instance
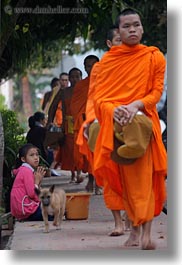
(25, 204)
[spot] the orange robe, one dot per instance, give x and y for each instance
(78, 106)
(58, 119)
(128, 74)
(67, 150)
(90, 116)
(112, 198)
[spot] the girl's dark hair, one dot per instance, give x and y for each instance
(31, 121)
(38, 116)
(54, 82)
(22, 153)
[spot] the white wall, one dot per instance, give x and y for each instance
(6, 89)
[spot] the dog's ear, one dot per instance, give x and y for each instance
(37, 191)
(52, 188)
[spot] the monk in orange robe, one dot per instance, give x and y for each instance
(130, 79)
(55, 111)
(68, 162)
(65, 153)
(77, 107)
(112, 198)
(64, 82)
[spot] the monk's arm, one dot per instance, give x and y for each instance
(53, 107)
(155, 92)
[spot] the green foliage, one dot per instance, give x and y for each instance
(13, 139)
(2, 102)
(36, 40)
(13, 136)
(2, 211)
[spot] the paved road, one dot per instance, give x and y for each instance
(90, 234)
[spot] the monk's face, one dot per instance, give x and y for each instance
(89, 64)
(74, 77)
(130, 29)
(116, 40)
(64, 81)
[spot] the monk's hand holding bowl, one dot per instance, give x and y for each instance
(133, 108)
(121, 115)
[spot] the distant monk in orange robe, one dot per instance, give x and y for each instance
(67, 150)
(112, 198)
(64, 82)
(65, 154)
(78, 106)
(130, 79)
(55, 111)
(47, 96)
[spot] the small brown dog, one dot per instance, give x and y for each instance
(53, 202)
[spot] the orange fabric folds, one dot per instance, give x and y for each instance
(78, 106)
(90, 116)
(127, 74)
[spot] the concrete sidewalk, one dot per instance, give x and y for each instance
(90, 234)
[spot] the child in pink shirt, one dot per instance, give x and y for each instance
(25, 204)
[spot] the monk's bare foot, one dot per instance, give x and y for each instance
(147, 244)
(55, 223)
(133, 239)
(119, 229)
(117, 232)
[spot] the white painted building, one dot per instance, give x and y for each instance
(6, 89)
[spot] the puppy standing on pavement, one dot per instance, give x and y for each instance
(53, 202)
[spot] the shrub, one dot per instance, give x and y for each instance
(13, 139)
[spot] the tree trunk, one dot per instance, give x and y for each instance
(26, 96)
(1, 157)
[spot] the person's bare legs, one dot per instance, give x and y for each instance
(90, 184)
(98, 190)
(118, 230)
(133, 239)
(79, 177)
(72, 177)
(147, 244)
